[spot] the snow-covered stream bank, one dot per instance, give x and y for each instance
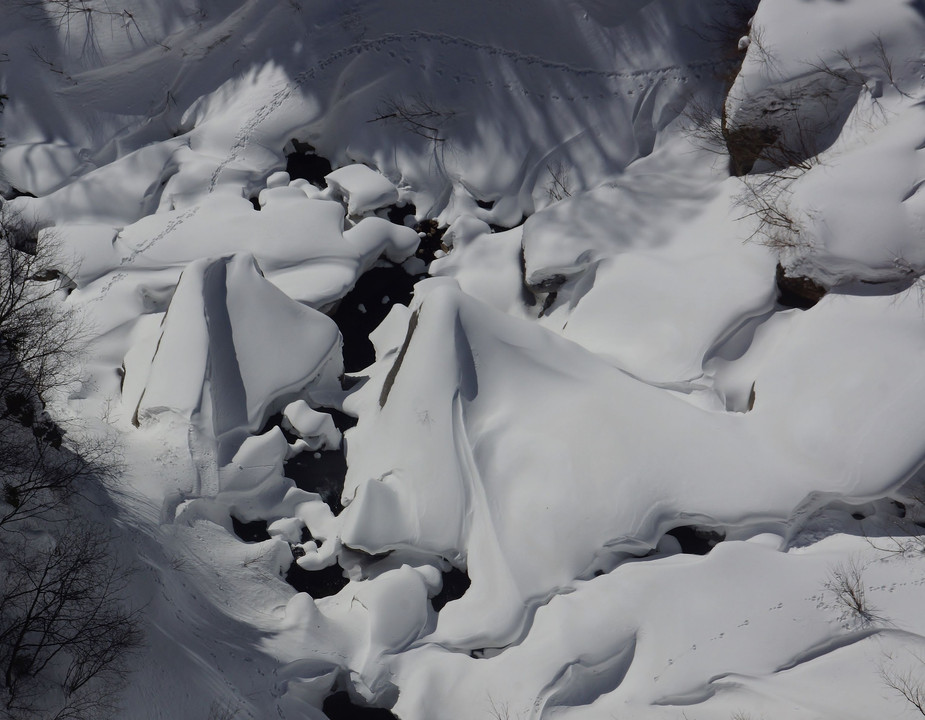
(621, 419)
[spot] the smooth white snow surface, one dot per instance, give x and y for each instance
(560, 394)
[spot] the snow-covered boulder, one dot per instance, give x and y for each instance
(231, 345)
(363, 188)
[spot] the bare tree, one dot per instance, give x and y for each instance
(39, 340)
(41, 472)
(64, 630)
(38, 335)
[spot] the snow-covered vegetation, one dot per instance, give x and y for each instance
(558, 359)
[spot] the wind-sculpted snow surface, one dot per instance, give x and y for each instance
(209, 364)
(600, 374)
(537, 477)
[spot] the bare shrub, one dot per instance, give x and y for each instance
(559, 185)
(908, 684)
(417, 114)
(846, 586)
(766, 199)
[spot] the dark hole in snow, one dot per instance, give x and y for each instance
(486, 652)
(317, 583)
(797, 292)
(318, 471)
(549, 284)
(339, 707)
(503, 228)
(254, 531)
(342, 421)
(362, 309)
(526, 293)
(455, 584)
(255, 202)
(695, 540)
(321, 472)
(305, 536)
(398, 213)
(432, 240)
(277, 421)
(485, 204)
(858, 516)
(305, 163)
(348, 382)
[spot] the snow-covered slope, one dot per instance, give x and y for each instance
(621, 357)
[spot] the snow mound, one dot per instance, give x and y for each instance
(210, 367)
(362, 188)
(497, 464)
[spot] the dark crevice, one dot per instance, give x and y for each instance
(396, 366)
(455, 584)
(526, 293)
(797, 292)
(255, 201)
(250, 532)
(317, 583)
(398, 213)
(485, 204)
(504, 228)
(339, 706)
(317, 471)
(486, 653)
(306, 164)
(365, 307)
(321, 472)
(431, 240)
(342, 421)
(696, 540)
(15, 192)
(276, 421)
(546, 290)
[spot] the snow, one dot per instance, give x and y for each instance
(363, 188)
(315, 428)
(209, 363)
(597, 357)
